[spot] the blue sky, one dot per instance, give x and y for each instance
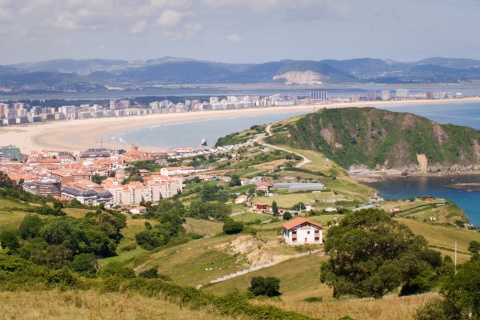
(240, 31)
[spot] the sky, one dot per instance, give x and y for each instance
(238, 31)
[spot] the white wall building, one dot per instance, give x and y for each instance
(302, 231)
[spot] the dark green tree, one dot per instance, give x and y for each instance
(85, 263)
(287, 215)
(372, 255)
(474, 246)
(30, 227)
(232, 227)
(275, 208)
(9, 239)
(269, 286)
(235, 181)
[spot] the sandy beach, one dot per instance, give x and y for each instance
(76, 135)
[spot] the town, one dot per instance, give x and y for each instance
(15, 113)
(66, 176)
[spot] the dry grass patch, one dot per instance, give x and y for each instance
(389, 308)
(82, 305)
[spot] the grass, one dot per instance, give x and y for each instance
(251, 216)
(10, 219)
(289, 200)
(91, 304)
(444, 238)
(206, 228)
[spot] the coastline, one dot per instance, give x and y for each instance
(80, 134)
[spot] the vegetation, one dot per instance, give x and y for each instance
(460, 296)
(232, 227)
(269, 286)
(372, 255)
(377, 137)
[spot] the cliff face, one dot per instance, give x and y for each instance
(383, 139)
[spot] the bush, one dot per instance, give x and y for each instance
(151, 273)
(117, 270)
(268, 286)
(232, 227)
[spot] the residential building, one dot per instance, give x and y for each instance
(302, 231)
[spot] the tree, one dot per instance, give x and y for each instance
(9, 239)
(461, 296)
(235, 181)
(30, 227)
(287, 215)
(474, 246)
(85, 263)
(372, 255)
(232, 227)
(98, 178)
(275, 208)
(269, 286)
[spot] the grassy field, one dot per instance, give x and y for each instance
(91, 304)
(251, 216)
(444, 238)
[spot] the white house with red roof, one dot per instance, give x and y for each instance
(302, 231)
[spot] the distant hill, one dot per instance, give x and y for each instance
(99, 73)
(382, 139)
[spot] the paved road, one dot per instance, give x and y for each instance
(269, 132)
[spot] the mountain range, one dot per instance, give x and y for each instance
(100, 74)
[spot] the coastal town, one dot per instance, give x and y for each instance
(17, 113)
(66, 175)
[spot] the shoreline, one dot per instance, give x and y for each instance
(378, 176)
(80, 134)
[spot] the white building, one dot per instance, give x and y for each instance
(302, 231)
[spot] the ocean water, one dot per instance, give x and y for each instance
(190, 134)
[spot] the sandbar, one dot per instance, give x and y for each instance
(80, 134)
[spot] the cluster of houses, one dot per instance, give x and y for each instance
(67, 176)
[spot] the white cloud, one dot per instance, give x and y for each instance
(234, 38)
(170, 18)
(293, 8)
(138, 27)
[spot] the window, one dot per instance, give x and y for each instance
(308, 232)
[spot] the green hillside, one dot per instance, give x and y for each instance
(380, 138)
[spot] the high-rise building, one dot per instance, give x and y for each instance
(371, 95)
(3, 109)
(386, 95)
(319, 95)
(402, 93)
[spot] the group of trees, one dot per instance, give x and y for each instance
(170, 216)
(65, 241)
(460, 296)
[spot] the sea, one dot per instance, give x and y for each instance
(191, 133)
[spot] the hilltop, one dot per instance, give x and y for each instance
(380, 139)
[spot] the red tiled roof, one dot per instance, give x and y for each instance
(298, 221)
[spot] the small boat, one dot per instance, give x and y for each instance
(204, 142)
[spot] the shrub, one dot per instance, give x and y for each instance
(268, 286)
(232, 227)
